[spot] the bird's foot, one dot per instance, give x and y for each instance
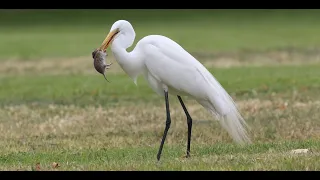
(186, 156)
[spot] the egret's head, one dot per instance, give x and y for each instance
(122, 30)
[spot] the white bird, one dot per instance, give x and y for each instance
(168, 68)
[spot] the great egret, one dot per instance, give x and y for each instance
(169, 68)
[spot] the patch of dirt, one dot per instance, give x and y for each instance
(284, 56)
(80, 65)
(84, 65)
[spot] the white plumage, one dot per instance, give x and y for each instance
(169, 68)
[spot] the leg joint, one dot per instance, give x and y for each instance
(168, 122)
(189, 122)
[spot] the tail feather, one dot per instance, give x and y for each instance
(236, 127)
(232, 122)
(222, 106)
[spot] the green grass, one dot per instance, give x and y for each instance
(30, 35)
(216, 157)
(54, 107)
(93, 89)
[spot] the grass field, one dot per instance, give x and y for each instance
(56, 108)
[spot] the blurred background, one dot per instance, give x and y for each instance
(36, 34)
(41, 42)
(52, 97)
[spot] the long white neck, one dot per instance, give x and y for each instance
(130, 62)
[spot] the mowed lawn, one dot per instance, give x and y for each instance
(56, 109)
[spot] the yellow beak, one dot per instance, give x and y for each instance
(108, 40)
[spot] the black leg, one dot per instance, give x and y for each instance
(189, 122)
(168, 122)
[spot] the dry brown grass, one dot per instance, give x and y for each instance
(142, 125)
